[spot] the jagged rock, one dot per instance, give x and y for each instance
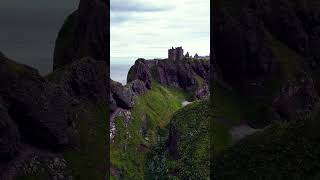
(84, 33)
(182, 74)
(123, 96)
(140, 70)
(87, 80)
(112, 104)
(202, 92)
(138, 87)
(34, 107)
(297, 101)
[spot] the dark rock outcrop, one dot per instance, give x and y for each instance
(251, 58)
(189, 74)
(84, 33)
(123, 96)
(140, 70)
(297, 101)
(85, 80)
(33, 111)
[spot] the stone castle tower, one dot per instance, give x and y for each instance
(175, 53)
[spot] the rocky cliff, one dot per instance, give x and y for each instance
(266, 71)
(144, 106)
(188, 74)
(84, 33)
(43, 119)
(274, 52)
(34, 113)
(52, 127)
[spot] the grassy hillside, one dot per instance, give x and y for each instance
(286, 151)
(192, 126)
(156, 107)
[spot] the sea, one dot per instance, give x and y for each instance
(119, 68)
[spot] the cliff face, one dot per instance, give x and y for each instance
(34, 114)
(84, 33)
(46, 123)
(43, 118)
(274, 46)
(267, 54)
(191, 75)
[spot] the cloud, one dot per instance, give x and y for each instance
(139, 6)
(151, 30)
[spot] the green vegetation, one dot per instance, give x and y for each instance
(192, 129)
(89, 162)
(279, 152)
(155, 108)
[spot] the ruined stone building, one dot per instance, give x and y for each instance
(175, 53)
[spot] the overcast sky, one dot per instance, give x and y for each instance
(147, 28)
(29, 29)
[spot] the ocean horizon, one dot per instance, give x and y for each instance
(120, 66)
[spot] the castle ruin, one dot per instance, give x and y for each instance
(175, 54)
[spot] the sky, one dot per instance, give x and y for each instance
(29, 30)
(148, 28)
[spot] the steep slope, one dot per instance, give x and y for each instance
(87, 82)
(269, 78)
(136, 130)
(47, 126)
(55, 127)
(279, 152)
(184, 151)
(189, 74)
(143, 108)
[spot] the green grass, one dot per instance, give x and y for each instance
(158, 106)
(90, 161)
(279, 152)
(192, 126)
